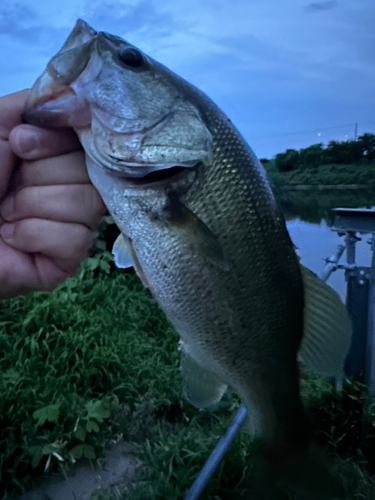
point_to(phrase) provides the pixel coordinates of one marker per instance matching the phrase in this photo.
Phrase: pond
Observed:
(309, 215)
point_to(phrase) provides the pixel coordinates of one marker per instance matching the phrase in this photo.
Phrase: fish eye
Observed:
(131, 58)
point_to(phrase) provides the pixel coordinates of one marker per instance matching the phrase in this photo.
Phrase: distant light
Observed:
(319, 134)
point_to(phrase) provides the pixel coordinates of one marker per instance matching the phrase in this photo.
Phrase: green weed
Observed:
(70, 358)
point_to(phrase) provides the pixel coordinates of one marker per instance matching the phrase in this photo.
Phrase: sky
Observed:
(288, 73)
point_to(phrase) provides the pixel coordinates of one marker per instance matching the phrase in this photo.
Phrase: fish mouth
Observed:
(139, 170)
(52, 105)
(152, 176)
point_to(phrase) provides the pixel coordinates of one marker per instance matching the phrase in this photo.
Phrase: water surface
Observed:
(309, 214)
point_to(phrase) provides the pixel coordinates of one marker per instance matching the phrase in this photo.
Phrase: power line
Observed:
(287, 134)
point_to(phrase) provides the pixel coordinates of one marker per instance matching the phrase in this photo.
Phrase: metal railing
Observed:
(360, 297)
(214, 459)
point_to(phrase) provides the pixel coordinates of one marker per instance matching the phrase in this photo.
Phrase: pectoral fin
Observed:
(202, 239)
(121, 253)
(124, 256)
(200, 386)
(327, 329)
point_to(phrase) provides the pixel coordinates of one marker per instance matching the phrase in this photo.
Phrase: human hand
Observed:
(48, 207)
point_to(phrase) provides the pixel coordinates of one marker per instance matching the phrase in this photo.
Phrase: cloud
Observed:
(317, 6)
(28, 28)
(16, 14)
(270, 66)
(16, 20)
(138, 18)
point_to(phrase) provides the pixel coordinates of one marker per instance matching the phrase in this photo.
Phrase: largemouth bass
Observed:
(201, 226)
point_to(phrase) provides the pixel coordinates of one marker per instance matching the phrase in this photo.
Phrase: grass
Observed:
(97, 359)
(69, 358)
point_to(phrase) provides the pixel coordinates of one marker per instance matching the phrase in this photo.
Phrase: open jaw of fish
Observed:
(202, 228)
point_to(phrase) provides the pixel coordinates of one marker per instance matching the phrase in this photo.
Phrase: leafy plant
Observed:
(98, 334)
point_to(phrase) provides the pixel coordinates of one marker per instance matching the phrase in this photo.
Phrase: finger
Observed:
(11, 109)
(66, 203)
(65, 169)
(58, 240)
(52, 272)
(7, 164)
(31, 143)
(22, 273)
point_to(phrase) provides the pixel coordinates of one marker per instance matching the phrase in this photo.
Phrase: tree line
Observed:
(335, 152)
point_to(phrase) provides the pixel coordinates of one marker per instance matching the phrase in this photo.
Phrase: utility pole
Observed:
(355, 131)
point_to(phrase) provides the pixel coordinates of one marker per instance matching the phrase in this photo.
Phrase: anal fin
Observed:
(200, 386)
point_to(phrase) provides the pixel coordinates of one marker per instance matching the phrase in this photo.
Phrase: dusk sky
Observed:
(288, 73)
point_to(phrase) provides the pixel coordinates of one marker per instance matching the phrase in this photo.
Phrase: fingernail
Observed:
(7, 231)
(26, 141)
(7, 207)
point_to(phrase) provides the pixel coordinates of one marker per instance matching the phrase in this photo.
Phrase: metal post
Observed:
(332, 263)
(350, 240)
(360, 362)
(370, 351)
(357, 300)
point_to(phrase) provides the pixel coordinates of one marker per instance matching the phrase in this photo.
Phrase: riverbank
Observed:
(332, 176)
